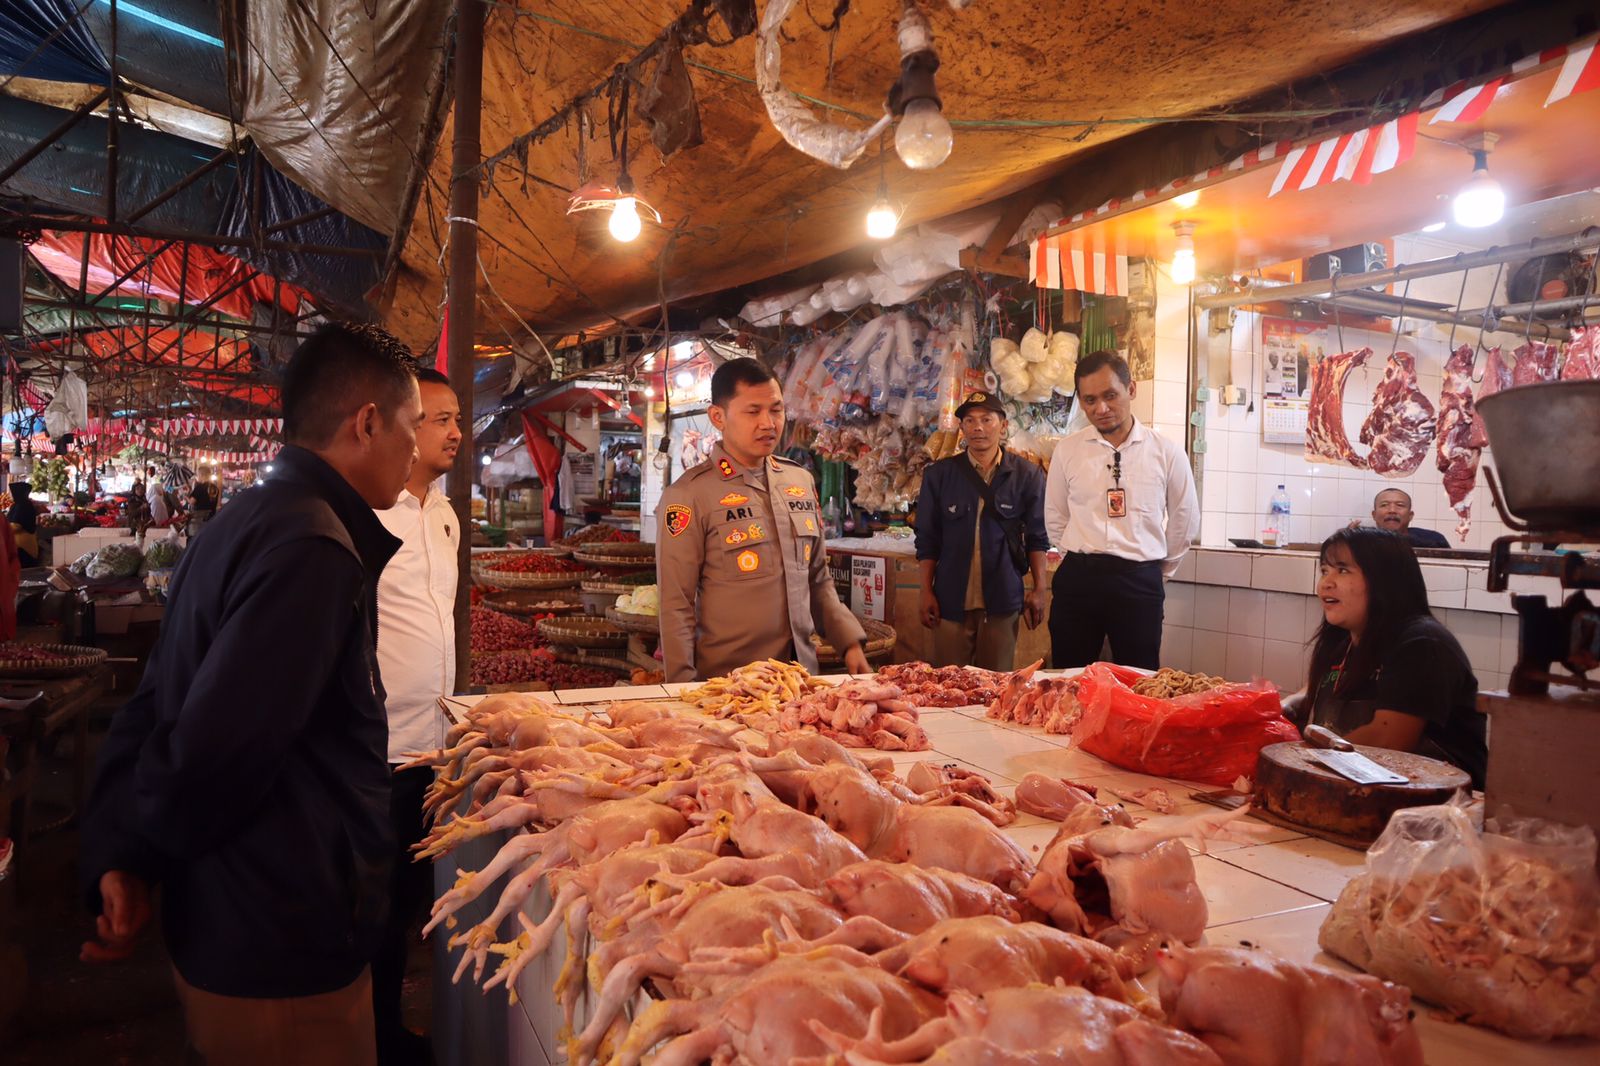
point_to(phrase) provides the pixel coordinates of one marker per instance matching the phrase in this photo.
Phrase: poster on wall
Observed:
(584, 473)
(1291, 348)
(869, 585)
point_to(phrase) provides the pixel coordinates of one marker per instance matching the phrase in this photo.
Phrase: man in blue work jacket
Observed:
(980, 527)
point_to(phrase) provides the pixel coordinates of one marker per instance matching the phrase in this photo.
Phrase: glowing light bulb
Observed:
(269, 468)
(882, 221)
(625, 223)
(1183, 256)
(1188, 199)
(684, 380)
(649, 392)
(1481, 201)
(923, 138)
(487, 459)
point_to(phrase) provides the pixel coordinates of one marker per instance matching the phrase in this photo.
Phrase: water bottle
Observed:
(1275, 530)
(831, 519)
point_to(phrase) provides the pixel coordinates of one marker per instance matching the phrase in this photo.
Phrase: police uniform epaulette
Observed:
(697, 470)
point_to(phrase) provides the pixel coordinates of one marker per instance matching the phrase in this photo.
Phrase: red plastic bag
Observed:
(1211, 737)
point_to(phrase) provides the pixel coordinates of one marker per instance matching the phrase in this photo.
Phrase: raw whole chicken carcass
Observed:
(1326, 439)
(1254, 1009)
(952, 838)
(1051, 797)
(1058, 1025)
(912, 898)
(1455, 454)
(765, 1019)
(1402, 420)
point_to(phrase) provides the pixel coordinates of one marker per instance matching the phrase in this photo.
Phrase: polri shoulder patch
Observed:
(677, 519)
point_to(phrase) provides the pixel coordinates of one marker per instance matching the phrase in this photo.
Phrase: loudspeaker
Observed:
(11, 257)
(1357, 259)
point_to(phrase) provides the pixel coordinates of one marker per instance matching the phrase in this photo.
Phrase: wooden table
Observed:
(65, 705)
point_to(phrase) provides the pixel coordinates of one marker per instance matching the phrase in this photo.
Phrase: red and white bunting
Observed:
(1063, 263)
(1466, 103)
(1580, 70)
(1349, 157)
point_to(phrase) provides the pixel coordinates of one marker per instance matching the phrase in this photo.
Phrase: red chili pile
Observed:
(535, 563)
(493, 631)
(599, 534)
(525, 667)
(31, 653)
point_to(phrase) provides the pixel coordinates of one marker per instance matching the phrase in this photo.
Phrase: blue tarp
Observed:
(74, 55)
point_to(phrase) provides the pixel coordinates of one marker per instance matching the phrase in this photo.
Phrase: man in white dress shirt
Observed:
(417, 659)
(1120, 503)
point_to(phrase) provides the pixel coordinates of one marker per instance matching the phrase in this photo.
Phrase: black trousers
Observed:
(410, 885)
(1096, 597)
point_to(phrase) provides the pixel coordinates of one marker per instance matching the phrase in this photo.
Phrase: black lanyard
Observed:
(1115, 466)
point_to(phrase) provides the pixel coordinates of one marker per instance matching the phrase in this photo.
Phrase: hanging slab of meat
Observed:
(1454, 454)
(1536, 362)
(1402, 420)
(1583, 356)
(1496, 376)
(1325, 435)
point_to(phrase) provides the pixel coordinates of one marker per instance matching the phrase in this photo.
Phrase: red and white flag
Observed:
(1071, 261)
(1349, 157)
(1465, 103)
(1580, 71)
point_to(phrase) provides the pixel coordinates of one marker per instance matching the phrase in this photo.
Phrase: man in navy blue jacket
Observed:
(248, 775)
(972, 556)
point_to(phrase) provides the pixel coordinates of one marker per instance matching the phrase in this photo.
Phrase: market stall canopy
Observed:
(1025, 91)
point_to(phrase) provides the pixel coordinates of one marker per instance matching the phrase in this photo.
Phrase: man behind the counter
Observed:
(1120, 502)
(980, 527)
(1391, 510)
(740, 558)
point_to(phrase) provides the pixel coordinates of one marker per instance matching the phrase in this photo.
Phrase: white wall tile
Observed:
(1180, 604)
(1243, 526)
(1171, 402)
(1211, 608)
(1144, 405)
(1243, 660)
(1210, 653)
(1285, 618)
(1214, 528)
(1313, 619)
(1443, 577)
(1223, 568)
(1177, 647)
(1247, 612)
(1510, 636)
(1440, 600)
(1325, 498)
(1284, 663)
(1185, 571)
(1354, 500)
(1216, 454)
(1241, 493)
(1284, 573)
(1481, 599)
(1479, 635)
(1300, 531)
(1214, 493)
(1269, 460)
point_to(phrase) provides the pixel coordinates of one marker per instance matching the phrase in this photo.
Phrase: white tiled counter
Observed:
(1250, 612)
(1272, 893)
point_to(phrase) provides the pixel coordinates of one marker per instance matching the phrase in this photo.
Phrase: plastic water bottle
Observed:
(1275, 530)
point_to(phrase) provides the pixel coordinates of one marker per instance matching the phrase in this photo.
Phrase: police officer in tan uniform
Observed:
(739, 546)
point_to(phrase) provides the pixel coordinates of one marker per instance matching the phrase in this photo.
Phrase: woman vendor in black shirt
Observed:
(1384, 672)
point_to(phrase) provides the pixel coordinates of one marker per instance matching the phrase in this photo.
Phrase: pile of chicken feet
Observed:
(788, 900)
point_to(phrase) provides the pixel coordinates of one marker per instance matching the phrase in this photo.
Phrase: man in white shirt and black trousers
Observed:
(1120, 503)
(417, 658)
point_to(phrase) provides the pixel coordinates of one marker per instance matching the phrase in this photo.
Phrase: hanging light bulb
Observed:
(487, 458)
(625, 224)
(684, 380)
(649, 392)
(1183, 257)
(882, 220)
(1188, 199)
(1481, 201)
(923, 137)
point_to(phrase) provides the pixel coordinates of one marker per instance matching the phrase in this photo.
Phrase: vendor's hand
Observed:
(125, 903)
(930, 609)
(1034, 608)
(1355, 523)
(855, 661)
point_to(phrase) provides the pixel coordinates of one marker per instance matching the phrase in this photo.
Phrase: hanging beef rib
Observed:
(1496, 376)
(1401, 423)
(1583, 355)
(1325, 435)
(1455, 455)
(1536, 362)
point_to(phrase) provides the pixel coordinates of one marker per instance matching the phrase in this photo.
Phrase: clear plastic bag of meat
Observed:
(1212, 737)
(1501, 928)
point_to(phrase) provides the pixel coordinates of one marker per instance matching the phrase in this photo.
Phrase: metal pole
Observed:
(463, 295)
(111, 124)
(1589, 238)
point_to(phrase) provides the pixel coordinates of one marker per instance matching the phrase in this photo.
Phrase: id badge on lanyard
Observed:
(1116, 498)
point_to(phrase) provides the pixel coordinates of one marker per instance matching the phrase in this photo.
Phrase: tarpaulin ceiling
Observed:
(1027, 86)
(135, 348)
(193, 276)
(172, 48)
(337, 94)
